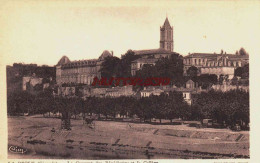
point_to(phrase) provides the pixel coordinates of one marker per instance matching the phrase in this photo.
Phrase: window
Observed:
(169, 35)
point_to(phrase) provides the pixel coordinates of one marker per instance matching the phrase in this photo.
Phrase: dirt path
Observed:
(124, 140)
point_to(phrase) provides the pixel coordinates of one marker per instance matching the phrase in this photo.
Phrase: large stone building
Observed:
(82, 71)
(219, 64)
(150, 56)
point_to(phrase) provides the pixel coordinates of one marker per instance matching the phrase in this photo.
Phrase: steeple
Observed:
(166, 32)
(166, 23)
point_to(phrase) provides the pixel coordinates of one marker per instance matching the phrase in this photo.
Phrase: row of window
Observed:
(203, 61)
(79, 70)
(196, 61)
(216, 71)
(79, 79)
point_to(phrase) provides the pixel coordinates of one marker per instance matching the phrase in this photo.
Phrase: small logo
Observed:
(16, 149)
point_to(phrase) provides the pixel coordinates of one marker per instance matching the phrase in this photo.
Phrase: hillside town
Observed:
(205, 90)
(78, 75)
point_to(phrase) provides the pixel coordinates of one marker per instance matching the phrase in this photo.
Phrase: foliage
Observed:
(229, 107)
(242, 51)
(110, 67)
(242, 72)
(115, 67)
(207, 80)
(125, 63)
(192, 72)
(165, 67)
(164, 106)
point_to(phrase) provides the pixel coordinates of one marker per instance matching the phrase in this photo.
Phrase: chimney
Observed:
(112, 53)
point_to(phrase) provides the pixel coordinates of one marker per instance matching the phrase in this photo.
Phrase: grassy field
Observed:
(122, 140)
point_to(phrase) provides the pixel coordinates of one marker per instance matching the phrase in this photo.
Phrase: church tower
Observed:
(166, 36)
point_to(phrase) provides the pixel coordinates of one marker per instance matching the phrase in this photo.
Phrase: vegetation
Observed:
(16, 73)
(224, 107)
(242, 52)
(115, 67)
(171, 68)
(165, 67)
(243, 72)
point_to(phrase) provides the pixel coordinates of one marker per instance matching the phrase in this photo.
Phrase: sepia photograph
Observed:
(119, 80)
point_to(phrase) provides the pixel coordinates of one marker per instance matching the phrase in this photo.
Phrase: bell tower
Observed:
(166, 36)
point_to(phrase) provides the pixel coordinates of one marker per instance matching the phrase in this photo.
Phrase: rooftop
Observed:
(146, 60)
(65, 62)
(213, 55)
(152, 51)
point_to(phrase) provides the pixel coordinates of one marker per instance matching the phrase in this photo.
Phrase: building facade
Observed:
(219, 64)
(82, 71)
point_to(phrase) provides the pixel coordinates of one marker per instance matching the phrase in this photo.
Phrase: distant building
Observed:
(31, 81)
(219, 64)
(21, 76)
(98, 92)
(88, 91)
(226, 86)
(139, 63)
(66, 91)
(152, 91)
(190, 84)
(120, 91)
(187, 91)
(82, 71)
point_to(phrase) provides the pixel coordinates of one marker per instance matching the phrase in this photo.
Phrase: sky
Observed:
(42, 32)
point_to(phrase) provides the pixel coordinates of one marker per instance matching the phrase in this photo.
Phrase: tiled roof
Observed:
(85, 62)
(152, 51)
(105, 54)
(146, 60)
(63, 60)
(214, 55)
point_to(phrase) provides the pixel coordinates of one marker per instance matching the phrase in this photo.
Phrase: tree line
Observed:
(223, 107)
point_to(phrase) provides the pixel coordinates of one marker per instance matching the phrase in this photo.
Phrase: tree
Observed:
(242, 72)
(20, 102)
(125, 63)
(242, 51)
(231, 106)
(192, 72)
(110, 67)
(165, 67)
(207, 80)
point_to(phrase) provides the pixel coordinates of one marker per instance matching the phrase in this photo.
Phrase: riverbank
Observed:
(120, 140)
